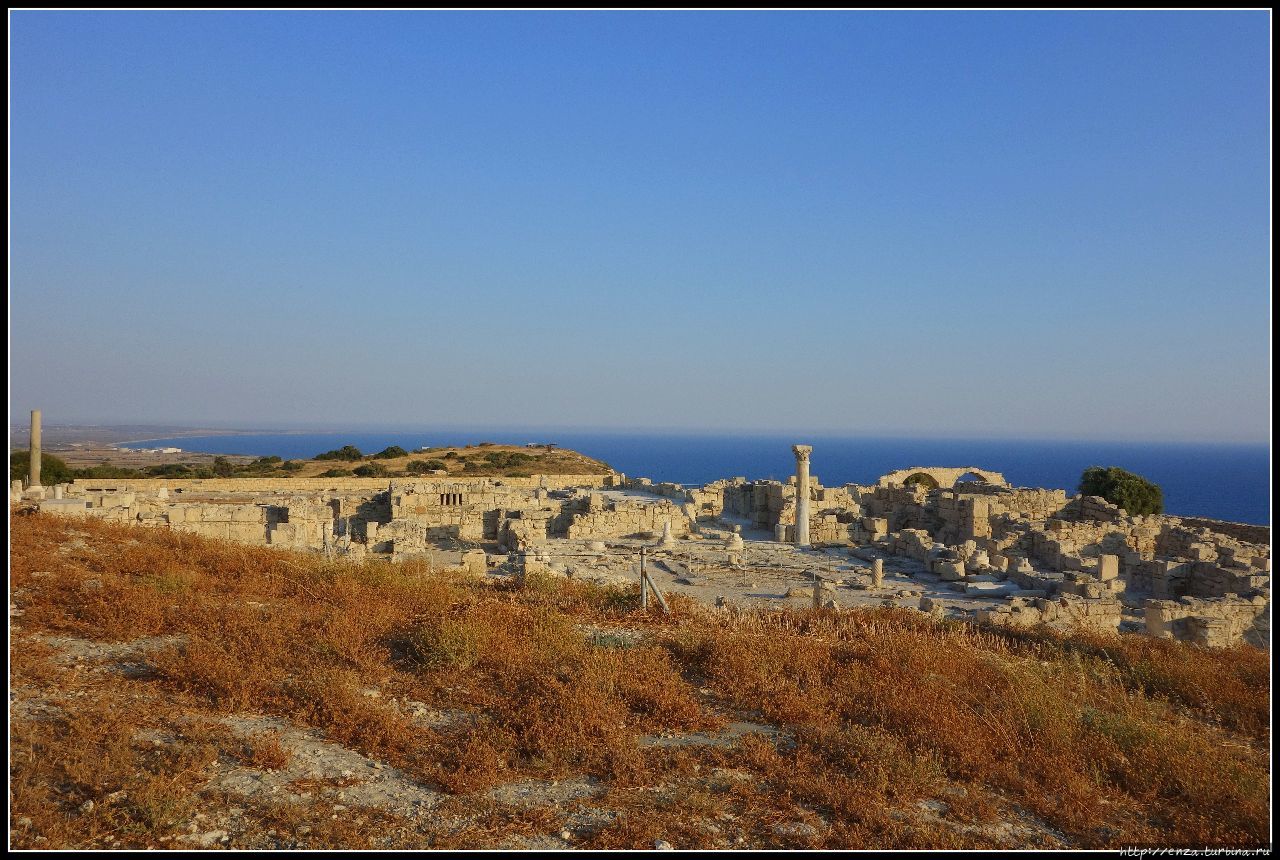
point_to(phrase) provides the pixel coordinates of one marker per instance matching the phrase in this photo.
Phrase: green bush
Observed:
(259, 467)
(346, 452)
(223, 468)
(53, 470)
(508, 459)
(391, 452)
(1132, 492)
(106, 470)
(169, 470)
(371, 470)
(292, 465)
(422, 467)
(336, 473)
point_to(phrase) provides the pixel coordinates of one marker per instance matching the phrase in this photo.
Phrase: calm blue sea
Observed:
(1229, 482)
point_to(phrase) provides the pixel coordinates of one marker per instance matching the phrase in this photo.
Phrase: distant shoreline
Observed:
(203, 433)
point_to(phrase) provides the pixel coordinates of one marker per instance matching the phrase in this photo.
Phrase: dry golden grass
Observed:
(1103, 740)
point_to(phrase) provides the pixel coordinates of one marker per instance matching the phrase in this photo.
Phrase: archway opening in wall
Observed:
(971, 478)
(923, 479)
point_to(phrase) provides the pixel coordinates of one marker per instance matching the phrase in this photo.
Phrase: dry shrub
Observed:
(1223, 684)
(266, 751)
(482, 757)
(444, 644)
(958, 702)
(84, 781)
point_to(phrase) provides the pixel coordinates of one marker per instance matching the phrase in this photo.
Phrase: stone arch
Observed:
(942, 476)
(923, 478)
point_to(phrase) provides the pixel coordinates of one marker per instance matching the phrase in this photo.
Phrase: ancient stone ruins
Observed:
(975, 548)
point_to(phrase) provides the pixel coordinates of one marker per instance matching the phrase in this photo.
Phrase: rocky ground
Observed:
(308, 782)
(764, 574)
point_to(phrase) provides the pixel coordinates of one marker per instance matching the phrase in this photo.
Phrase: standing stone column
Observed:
(667, 539)
(802, 453)
(35, 449)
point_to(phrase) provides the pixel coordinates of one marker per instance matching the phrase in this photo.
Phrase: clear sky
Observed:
(954, 224)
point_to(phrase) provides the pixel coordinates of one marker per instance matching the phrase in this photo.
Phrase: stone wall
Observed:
(630, 520)
(1211, 623)
(1064, 612)
(1091, 509)
(1032, 503)
(902, 507)
(1241, 532)
(760, 502)
(1179, 540)
(243, 523)
(315, 485)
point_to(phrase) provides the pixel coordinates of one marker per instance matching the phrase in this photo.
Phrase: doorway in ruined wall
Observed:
(924, 479)
(971, 478)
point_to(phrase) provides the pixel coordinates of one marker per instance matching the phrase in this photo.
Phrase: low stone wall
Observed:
(630, 520)
(1092, 509)
(318, 485)
(1211, 623)
(1242, 532)
(1030, 502)
(913, 543)
(242, 523)
(1063, 612)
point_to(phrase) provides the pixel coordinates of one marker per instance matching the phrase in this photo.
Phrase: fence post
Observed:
(662, 601)
(644, 581)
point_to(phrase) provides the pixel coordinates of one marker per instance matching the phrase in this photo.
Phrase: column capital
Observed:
(802, 452)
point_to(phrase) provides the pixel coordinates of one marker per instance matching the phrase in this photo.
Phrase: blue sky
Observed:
(953, 224)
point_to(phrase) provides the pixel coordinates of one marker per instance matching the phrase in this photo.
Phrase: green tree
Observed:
(391, 452)
(53, 470)
(223, 468)
(1134, 493)
(371, 470)
(346, 452)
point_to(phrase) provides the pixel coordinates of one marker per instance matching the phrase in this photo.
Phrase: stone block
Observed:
(991, 589)
(65, 507)
(475, 562)
(948, 571)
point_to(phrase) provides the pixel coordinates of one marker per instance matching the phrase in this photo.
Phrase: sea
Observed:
(1225, 482)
